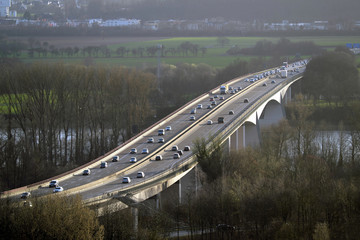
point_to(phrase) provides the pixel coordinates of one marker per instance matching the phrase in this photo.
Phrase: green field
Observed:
(215, 55)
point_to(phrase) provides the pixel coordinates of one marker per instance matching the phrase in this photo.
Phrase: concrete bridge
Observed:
(257, 104)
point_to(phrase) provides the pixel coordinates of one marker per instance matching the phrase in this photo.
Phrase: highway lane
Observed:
(178, 124)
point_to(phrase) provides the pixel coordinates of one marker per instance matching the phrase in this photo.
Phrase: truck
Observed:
(224, 89)
(283, 74)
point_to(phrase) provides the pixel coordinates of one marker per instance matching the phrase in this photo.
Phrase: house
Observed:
(5, 8)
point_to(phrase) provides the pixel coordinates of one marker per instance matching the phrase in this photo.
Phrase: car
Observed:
(264, 84)
(187, 148)
(232, 92)
(192, 118)
(176, 156)
(246, 80)
(209, 107)
(239, 88)
(230, 88)
(209, 122)
(193, 111)
(145, 151)
(133, 159)
(246, 100)
(161, 140)
(231, 112)
(199, 106)
(86, 172)
(115, 158)
(103, 165)
(168, 128)
(213, 103)
(58, 189)
(211, 99)
(252, 80)
(215, 96)
(140, 175)
(133, 151)
(161, 132)
(53, 183)
(25, 195)
(126, 180)
(174, 148)
(220, 119)
(158, 158)
(180, 152)
(273, 81)
(150, 140)
(221, 98)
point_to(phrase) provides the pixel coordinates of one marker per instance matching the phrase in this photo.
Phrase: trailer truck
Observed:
(283, 73)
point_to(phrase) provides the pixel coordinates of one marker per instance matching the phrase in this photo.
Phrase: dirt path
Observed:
(61, 42)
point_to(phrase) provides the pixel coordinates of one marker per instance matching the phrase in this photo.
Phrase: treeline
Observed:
(282, 47)
(56, 116)
(34, 48)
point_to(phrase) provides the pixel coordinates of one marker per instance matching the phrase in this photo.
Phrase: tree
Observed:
(222, 41)
(333, 76)
(51, 217)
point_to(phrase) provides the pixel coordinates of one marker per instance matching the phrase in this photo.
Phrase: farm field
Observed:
(215, 54)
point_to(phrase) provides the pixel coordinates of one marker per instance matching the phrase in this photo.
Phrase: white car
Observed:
(161, 140)
(199, 106)
(193, 111)
(209, 122)
(176, 156)
(168, 128)
(133, 160)
(126, 180)
(86, 172)
(150, 140)
(58, 189)
(145, 151)
(187, 148)
(174, 148)
(140, 175)
(133, 151)
(192, 118)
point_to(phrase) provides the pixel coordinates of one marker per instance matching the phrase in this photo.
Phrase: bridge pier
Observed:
(135, 215)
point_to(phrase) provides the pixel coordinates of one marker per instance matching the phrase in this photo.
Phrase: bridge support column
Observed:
(234, 141)
(157, 200)
(251, 135)
(179, 185)
(135, 215)
(288, 95)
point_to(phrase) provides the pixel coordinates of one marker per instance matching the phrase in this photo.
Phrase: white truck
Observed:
(283, 73)
(224, 89)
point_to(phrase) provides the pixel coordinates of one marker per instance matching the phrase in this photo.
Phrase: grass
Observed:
(215, 56)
